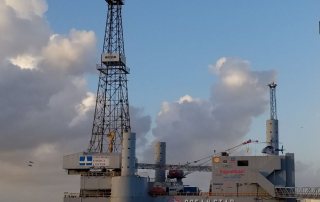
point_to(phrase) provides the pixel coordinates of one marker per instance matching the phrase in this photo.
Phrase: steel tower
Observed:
(111, 116)
(273, 101)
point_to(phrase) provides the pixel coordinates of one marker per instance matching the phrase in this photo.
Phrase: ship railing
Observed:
(188, 193)
(233, 194)
(104, 68)
(71, 195)
(78, 195)
(176, 194)
(158, 194)
(110, 174)
(298, 192)
(251, 194)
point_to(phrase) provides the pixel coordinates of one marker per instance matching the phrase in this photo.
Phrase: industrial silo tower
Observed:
(272, 129)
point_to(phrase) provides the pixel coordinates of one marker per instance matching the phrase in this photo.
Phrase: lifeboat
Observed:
(156, 191)
(174, 173)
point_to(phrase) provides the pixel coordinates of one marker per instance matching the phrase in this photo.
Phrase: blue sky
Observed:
(170, 44)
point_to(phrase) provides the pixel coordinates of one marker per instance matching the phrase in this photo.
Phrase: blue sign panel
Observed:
(85, 160)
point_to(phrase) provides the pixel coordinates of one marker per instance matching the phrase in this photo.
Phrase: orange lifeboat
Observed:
(157, 191)
(175, 173)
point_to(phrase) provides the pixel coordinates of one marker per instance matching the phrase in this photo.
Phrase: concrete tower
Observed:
(272, 131)
(160, 161)
(128, 158)
(128, 187)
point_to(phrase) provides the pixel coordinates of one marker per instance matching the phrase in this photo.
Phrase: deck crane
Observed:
(176, 173)
(188, 167)
(240, 145)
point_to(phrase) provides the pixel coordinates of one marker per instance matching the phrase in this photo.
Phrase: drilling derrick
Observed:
(105, 157)
(111, 117)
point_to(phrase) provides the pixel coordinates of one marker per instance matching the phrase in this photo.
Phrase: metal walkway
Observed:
(298, 192)
(190, 168)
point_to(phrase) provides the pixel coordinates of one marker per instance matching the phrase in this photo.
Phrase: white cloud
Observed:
(194, 127)
(186, 98)
(83, 108)
(217, 67)
(25, 61)
(22, 36)
(140, 124)
(307, 174)
(66, 52)
(43, 80)
(234, 79)
(28, 9)
(44, 151)
(47, 109)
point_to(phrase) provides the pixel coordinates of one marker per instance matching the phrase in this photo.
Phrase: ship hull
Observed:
(210, 199)
(183, 199)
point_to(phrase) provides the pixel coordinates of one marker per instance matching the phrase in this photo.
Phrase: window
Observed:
(243, 163)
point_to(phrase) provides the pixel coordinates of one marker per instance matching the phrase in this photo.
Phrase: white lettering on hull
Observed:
(209, 200)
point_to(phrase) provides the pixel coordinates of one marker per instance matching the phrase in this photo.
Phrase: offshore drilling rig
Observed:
(108, 168)
(110, 158)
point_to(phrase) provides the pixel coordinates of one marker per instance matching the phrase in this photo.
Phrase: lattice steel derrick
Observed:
(111, 117)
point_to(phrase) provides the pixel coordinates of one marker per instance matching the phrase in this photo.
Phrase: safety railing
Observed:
(208, 194)
(103, 68)
(86, 195)
(71, 195)
(298, 192)
(110, 174)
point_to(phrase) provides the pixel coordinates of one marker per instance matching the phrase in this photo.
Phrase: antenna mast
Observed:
(111, 116)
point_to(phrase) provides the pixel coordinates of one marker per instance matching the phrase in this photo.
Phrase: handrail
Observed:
(71, 195)
(281, 192)
(99, 174)
(207, 194)
(78, 195)
(298, 192)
